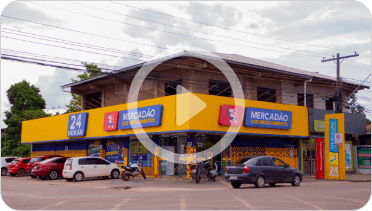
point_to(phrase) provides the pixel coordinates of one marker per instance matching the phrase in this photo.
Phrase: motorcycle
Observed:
(210, 173)
(132, 171)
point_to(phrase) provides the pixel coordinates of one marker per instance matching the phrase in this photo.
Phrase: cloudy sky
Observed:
(115, 35)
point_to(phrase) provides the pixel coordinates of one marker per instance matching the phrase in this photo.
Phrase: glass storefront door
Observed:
(308, 154)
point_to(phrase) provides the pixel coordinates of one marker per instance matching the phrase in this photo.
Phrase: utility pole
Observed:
(338, 93)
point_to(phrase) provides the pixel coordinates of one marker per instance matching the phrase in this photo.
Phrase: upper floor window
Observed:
(171, 87)
(329, 104)
(92, 101)
(265, 94)
(220, 88)
(309, 100)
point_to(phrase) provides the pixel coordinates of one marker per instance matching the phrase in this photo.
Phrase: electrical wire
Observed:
(112, 12)
(229, 28)
(75, 43)
(219, 41)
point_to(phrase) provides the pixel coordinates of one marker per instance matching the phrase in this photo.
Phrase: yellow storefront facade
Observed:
(266, 129)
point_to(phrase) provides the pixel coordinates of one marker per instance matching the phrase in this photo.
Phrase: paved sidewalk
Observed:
(306, 178)
(348, 178)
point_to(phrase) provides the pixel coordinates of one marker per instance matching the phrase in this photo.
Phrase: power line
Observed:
(92, 34)
(52, 57)
(268, 74)
(76, 43)
(118, 22)
(229, 28)
(71, 48)
(360, 63)
(277, 94)
(192, 29)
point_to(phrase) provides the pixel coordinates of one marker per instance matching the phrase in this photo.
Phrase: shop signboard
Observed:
(230, 115)
(114, 151)
(147, 116)
(319, 159)
(364, 157)
(94, 148)
(77, 124)
(110, 121)
(338, 138)
(267, 118)
(319, 125)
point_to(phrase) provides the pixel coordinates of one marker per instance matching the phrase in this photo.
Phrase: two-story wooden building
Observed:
(270, 91)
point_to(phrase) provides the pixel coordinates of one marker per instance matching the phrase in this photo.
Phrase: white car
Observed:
(4, 164)
(79, 168)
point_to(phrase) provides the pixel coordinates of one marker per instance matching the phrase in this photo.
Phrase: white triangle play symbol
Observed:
(187, 106)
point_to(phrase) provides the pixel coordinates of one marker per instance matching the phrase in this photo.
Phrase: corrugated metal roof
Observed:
(228, 58)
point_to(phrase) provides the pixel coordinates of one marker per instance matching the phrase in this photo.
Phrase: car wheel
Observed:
(296, 180)
(125, 177)
(78, 176)
(33, 176)
(53, 174)
(21, 172)
(69, 180)
(4, 172)
(260, 182)
(236, 185)
(115, 174)
(13, 175)
(272, 184)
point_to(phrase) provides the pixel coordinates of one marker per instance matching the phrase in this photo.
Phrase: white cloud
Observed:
(343, 25)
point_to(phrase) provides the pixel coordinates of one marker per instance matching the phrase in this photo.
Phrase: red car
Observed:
(19, 167)
(50, 168)
(35, 160)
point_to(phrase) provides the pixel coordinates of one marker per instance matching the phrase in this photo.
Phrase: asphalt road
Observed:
(26, 193)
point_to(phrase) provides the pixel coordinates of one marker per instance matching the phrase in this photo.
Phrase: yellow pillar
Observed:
(125, 156)
(334, 164)
(156, 162)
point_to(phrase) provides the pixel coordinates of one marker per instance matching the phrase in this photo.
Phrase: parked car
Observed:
(35, 160)
(4, 164)
(19, 167)
(79, 168)
(261, 170)
(50, 168)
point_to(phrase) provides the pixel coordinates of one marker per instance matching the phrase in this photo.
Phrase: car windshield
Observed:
(244, 160)
(14, 161)
(36, 159)
(47, 160)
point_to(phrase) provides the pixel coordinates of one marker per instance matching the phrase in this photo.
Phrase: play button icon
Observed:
(187, 106)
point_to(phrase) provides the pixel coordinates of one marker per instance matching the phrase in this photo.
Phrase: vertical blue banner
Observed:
(333, 129)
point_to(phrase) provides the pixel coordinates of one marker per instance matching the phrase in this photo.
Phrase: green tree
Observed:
(92, 71)
(27, 103)
(355, 107)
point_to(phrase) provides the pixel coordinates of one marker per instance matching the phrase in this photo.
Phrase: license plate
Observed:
(233, 177)
(193, 171)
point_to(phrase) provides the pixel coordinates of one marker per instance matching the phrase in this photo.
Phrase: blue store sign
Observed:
(147, 116)
(77, 124)
(267, 118)
(333, 129)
